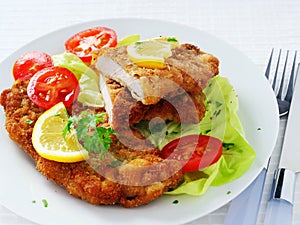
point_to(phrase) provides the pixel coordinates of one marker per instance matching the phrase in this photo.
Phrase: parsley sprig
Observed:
(95, 138)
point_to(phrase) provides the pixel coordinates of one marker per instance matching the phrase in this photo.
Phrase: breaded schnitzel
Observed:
(135, 181)
(131, 173)
(173, 93)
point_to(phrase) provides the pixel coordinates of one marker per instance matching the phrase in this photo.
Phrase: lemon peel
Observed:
(48, 141)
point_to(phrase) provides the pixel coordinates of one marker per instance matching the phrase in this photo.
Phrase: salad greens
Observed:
(221, 121)
(129, 40)
(88, 80)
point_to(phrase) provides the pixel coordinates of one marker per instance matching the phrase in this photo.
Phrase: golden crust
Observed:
(84, 179)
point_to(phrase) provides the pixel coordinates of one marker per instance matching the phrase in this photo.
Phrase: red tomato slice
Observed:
(53, 85)
(85, 42)
(194, 151)
(30, 63)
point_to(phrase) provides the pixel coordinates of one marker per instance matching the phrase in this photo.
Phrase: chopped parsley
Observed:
(29, 121)
(206, 131)
(45, 203)
(228, 192)
(95, 138)
(227, 146)
(175, 201)
(57, 114)
(33, 201)
(115, 163)
(118, 143)
(259, 128)
(216, 113)
(218, 104)
(172, 39)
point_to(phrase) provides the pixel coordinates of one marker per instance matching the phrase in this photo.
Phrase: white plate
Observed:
(21, 183)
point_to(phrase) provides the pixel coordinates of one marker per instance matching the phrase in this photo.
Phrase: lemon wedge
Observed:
(48, 140)
(151, 53)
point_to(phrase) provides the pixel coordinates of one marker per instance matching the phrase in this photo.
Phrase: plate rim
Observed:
(143, 20)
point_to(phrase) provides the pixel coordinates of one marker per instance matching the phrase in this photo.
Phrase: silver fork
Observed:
(283, 101)
(244, 208)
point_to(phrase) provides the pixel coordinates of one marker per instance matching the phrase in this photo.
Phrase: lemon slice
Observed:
(173, 41)
(48, 141)
(151, 53)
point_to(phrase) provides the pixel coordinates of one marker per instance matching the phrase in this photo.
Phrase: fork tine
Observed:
(267, 73)
(283, 76)
(289, 93)
(276, 71)
(283, 100)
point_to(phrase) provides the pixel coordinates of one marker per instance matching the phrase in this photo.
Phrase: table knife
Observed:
(280, 206)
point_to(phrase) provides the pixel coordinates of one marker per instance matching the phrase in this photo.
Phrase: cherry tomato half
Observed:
(52, 85)
(29, 63)
(85, 42)
(194, 151)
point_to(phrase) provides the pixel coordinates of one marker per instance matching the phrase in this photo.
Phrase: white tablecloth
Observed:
(254, 27)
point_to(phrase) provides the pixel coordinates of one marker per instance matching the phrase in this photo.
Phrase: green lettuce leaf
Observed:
(220, 121)
(88, 80)
(128, 40)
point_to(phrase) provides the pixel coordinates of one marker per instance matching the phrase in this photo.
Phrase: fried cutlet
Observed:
(188, 69)
(173, 93)
(139, 178)
(125, 175)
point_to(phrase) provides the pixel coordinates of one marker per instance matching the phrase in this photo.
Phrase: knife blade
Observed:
(280, 206)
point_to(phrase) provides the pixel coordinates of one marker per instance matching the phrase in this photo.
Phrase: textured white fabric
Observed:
(254, 27)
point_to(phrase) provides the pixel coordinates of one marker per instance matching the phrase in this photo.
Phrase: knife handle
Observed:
(244, 208)
(279, 212)
(280, 206)
(283, 186)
